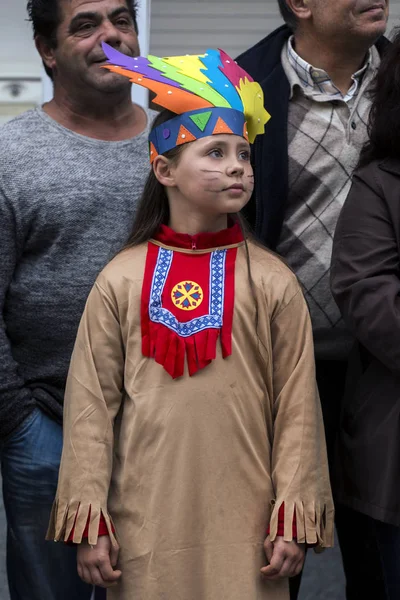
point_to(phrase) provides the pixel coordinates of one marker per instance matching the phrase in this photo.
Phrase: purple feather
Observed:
(139, 64)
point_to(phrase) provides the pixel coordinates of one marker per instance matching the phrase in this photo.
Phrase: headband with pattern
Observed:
(209, 92)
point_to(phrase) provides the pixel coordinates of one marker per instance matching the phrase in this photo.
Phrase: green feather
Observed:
(203, 90)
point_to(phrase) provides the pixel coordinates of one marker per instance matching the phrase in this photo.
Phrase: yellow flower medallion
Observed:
(187, 295)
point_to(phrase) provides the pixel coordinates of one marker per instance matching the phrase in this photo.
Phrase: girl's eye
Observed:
(216, 153)
(245, 155)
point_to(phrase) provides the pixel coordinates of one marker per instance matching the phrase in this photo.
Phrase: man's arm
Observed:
(12, 387)
(365, 269)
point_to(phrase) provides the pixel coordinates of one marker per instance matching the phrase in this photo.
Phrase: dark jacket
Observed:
(266, 209)
(365, 278)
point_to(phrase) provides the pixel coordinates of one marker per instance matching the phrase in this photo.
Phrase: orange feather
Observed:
(178, 101)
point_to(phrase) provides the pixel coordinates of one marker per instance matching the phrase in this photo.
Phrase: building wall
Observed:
(17, 50)
(177, 27)
(20, 66)
(191, 26)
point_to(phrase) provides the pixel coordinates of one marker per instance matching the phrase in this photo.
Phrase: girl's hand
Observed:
(95, 563)
(286, 559)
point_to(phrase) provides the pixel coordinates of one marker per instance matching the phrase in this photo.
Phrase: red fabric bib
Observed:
(188, 298)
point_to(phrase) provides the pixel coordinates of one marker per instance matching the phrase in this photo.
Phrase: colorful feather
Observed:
(190, 78)
(192, 63)
(138, 64)
(193, 82)
(232, 71)
(253, 108)
(218, 80)
(175, 99)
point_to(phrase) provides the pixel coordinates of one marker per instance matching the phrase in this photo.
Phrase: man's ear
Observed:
(164, 171)
(300, 8)
(46, 52)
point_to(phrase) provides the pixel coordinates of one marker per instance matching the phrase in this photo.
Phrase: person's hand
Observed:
(285, 559)
(95, 563)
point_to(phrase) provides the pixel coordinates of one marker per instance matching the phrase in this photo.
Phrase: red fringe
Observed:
(170, 350)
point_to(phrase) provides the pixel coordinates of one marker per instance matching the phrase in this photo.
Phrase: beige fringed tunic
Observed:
(192, 471)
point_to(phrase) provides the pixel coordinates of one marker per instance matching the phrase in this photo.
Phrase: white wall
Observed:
(191, 26)
(17, 51)
(20, 66)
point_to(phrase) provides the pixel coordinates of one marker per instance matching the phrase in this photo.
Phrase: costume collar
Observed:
(201, 241)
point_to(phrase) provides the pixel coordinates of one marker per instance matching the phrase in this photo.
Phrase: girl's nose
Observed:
(236, 168)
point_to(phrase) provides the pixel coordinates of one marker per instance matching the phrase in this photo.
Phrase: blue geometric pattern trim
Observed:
(164, 136)
(213, 320)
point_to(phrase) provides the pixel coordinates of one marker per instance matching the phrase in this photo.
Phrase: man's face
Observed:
(361, 19)
(78, 56)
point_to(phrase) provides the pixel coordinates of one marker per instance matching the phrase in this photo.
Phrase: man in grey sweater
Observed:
(70, 175)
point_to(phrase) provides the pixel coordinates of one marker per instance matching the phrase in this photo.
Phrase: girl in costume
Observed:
(194, 463)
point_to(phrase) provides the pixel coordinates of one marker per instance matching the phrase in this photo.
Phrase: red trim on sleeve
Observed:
(102, 528)
(281, 523)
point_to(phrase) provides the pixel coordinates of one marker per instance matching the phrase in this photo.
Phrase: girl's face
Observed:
(212, 176)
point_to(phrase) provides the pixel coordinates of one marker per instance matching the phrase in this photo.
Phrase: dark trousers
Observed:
(357, 538)
(371, 555)
(388, 544)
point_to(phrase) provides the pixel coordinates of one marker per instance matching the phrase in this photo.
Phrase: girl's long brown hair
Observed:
(153, 208)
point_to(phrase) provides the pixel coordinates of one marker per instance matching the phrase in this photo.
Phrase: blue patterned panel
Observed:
(161, 315)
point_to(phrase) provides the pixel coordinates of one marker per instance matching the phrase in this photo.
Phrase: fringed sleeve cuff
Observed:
(314, 522)
(74, 516)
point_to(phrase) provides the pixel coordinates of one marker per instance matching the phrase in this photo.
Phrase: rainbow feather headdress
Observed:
(209, 92)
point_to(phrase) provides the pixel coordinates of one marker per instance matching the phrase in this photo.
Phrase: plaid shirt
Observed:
(317, 81)
(326, 131)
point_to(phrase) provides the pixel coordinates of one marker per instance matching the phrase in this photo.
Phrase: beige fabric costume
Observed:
(193, 470)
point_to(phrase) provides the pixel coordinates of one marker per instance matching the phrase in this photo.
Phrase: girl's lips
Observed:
(236, 186)
(235, 190)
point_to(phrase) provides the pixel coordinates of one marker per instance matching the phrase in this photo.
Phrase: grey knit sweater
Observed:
(66, 207)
